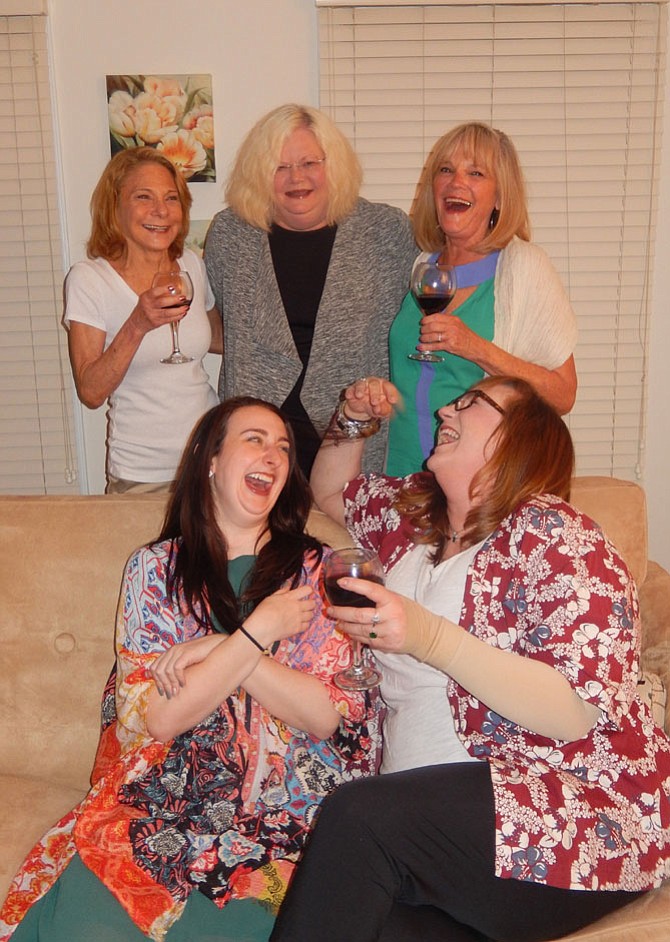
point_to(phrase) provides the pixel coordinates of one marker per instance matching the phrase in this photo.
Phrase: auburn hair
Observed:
(106, 239)
(534, 454)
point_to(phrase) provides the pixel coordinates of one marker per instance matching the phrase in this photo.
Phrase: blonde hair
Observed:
(496, 153)
(106, 239)
(250, 187)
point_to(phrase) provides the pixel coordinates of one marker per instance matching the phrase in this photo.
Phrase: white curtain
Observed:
(37, 451)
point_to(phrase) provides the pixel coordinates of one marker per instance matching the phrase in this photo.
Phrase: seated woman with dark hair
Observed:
(223, 728)
(527, 789)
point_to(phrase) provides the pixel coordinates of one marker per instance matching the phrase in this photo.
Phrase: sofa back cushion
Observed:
(621, 510)
(62, 559)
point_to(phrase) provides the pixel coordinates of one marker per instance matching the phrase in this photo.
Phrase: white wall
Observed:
(260, 53)
(657, 459)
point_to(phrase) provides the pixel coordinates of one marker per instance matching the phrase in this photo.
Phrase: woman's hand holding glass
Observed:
(448, 333)
(433, 285)
(361, 565)
(388, 632)
(176, 296)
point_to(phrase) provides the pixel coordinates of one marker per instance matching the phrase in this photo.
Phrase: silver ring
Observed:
(439, 338)
(375, 618)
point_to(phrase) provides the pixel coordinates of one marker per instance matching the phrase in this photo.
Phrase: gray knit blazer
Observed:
(367, 279)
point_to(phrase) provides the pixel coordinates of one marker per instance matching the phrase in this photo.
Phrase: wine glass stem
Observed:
(174, 325)
(357, 665)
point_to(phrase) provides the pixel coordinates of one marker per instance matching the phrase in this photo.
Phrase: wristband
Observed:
(252, 639)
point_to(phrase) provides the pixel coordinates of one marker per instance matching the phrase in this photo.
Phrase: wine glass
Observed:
(180, 285)
(433, 286)
(361, 564)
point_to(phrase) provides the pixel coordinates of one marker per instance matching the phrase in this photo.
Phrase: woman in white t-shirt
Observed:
(118, 325)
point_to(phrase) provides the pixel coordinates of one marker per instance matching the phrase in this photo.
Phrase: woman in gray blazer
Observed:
(307, 275)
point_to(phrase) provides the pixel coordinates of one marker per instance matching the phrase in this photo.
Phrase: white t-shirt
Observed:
(419, 727)
(153, 410)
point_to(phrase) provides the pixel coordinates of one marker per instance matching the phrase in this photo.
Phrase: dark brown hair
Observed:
(198, 564)
(533, 455)
(106, 239)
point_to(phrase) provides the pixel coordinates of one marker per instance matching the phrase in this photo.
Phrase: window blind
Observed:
(37, 453)
(577, 87)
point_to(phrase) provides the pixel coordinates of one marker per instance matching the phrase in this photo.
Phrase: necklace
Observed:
(454, 536)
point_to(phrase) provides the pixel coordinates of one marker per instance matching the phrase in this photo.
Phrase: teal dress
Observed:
(426, 387)
(80, 908)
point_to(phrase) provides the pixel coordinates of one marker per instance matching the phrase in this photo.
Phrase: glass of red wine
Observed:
(433, 286)
(360, 564)
(180, 285)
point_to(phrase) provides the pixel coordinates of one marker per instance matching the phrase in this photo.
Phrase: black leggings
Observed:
(409, 856)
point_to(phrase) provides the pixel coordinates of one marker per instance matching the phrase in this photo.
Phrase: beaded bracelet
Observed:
(252, 639)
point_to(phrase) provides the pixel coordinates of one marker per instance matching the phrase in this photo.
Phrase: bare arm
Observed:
(98, 372)
(449, 333)
(339, 459)
(197, 676)
(216, 324)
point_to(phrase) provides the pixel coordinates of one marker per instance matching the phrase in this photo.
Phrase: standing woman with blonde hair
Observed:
(306, 274)
(510, 314)
(119, 325)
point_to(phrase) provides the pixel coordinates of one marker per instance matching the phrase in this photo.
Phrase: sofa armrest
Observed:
(654, 595)
(655, 615)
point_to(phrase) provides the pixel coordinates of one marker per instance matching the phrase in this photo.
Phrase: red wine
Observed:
(432, 303)
(339, 596)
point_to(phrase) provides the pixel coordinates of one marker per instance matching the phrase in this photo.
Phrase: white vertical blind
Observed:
(577, 87)
(36, 451)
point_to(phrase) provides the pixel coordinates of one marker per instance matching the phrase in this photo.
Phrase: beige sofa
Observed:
(61, 562)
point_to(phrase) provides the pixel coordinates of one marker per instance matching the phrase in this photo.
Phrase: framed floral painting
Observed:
(172, 113)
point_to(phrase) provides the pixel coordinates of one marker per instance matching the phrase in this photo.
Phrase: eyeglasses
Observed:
(308, 166)
(466, 400)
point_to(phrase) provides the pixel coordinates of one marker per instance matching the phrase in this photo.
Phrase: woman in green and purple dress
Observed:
(510, 314)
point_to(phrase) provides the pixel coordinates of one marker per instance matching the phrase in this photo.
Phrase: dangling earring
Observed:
(495, 216)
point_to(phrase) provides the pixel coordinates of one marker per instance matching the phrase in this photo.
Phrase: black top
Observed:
(301, 261)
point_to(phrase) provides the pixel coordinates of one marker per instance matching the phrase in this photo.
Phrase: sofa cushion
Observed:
(646, 919)
(620, 508)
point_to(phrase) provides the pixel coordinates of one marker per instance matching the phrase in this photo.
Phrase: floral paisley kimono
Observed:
(223, 808)
(593, 814)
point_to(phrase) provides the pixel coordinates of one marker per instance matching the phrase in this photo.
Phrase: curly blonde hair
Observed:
(250, 187)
